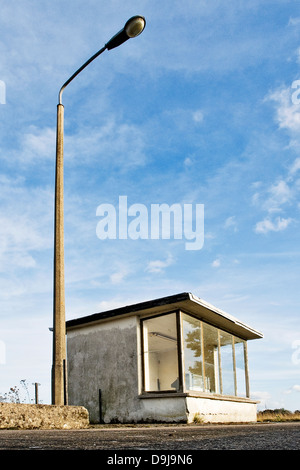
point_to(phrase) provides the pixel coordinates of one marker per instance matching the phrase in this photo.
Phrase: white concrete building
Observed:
(173, 359)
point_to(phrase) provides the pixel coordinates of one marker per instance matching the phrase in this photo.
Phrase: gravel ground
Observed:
(259, 436)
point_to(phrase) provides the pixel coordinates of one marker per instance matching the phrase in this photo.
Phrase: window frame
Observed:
(179, 354)
(180, 358)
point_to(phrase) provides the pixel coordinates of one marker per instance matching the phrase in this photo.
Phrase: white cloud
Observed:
(267, 225)
(158, 266)
(118, 276)
(216, 263)
(280, 193)
(295, 166)
(287, 113)
(279, 196)
(39, 143)
(294, 388)
(230, 222)
(188, 162)
(198, 116)
(261, 396)
(294, 21)
(19, 236)
(25, 225)
(275, 196)
(115, 143)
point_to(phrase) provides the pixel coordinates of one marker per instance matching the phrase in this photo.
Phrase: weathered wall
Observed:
(220, 411)
(25, 416)
(105, 356)
(164, 409)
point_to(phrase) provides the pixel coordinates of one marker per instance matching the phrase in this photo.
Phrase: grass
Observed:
(278, 415)
(198, 419)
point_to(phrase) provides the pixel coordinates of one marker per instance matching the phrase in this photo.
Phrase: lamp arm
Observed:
(78, 71)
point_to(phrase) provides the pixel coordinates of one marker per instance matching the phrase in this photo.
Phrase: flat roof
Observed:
(186, 302)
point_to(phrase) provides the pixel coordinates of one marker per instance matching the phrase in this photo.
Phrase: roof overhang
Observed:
(186, 302)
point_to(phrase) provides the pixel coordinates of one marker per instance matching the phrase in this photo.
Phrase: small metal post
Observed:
(100, 406)
(36, 392)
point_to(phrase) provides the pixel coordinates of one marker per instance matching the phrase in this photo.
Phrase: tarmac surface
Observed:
(135, 438)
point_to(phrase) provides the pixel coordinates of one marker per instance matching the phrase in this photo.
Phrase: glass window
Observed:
(160, 353)
(201, 360)
(227, 365)
(192, 349)
(211, 358)
(239, 346)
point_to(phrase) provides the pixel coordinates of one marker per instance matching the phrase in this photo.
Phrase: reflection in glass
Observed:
(239, 346)
(211, 358)
(227, 366)
(192, 346)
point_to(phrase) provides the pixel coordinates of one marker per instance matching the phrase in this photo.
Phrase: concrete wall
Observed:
(164, 409)
(105, 356)
(220, 411)
(25, 416)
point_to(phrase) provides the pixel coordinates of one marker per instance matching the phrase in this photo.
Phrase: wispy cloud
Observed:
(118, 276)
(116, 143)
(38, 144)
(231, 223)
(268, 225)
(158, 266)
(216, 263)
(281, 196)
(287, 113)
(295, 167)
(294, 21)
(294, 388)
(198, 116)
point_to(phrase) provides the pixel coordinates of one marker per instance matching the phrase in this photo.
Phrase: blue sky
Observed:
(200, 109)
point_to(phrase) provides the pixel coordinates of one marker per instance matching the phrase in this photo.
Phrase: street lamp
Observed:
(133, 27)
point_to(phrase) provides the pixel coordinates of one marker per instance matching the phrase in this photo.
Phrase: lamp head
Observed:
(133, 27)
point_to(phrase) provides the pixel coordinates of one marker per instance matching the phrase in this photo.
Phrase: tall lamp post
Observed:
(133, 27)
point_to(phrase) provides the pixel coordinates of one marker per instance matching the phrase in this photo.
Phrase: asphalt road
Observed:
(258, 436)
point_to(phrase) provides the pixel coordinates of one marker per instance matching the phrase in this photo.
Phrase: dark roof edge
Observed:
(129, 309)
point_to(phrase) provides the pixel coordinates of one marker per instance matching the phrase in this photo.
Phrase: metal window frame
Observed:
(180, 357)
(179, 352)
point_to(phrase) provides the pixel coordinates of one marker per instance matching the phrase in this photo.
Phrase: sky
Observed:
(201, 110)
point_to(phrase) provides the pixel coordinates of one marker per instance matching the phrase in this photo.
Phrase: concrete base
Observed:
(23, 416)
(220, 411)
(197, 409)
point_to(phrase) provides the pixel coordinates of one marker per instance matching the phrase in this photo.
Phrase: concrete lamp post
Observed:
(133, 27)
